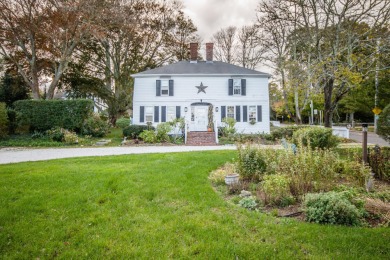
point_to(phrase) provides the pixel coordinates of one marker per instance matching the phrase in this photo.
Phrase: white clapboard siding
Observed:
(186, 93)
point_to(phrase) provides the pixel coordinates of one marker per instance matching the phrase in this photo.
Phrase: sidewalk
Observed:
(15, 155)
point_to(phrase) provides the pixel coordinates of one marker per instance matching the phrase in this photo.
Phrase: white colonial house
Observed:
(194, 89)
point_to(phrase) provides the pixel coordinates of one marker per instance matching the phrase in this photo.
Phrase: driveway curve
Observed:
(15, 155)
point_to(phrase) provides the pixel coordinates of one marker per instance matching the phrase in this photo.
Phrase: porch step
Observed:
(201, 138)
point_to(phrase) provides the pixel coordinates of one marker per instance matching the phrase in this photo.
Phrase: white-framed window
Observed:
(149, 114)
(171, 113)
(164, 87)
(236, 86)
(252, 114)
(230, 111)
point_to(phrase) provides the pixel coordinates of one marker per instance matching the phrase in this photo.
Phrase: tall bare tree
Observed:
(39, 37)
(250, 52)
(225, 41)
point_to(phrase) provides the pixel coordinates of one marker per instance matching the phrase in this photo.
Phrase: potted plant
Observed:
(232, 177)
(252, 121)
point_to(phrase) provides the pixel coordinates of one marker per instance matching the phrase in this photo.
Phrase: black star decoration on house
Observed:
(201, 88)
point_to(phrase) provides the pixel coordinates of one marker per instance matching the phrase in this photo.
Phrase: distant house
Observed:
(194, 89)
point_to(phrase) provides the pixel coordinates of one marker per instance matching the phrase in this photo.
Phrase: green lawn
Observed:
(153, 206)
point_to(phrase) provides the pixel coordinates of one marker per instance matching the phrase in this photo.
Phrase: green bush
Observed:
(384, 124)
(133, 131)
(162, 132)
(284, 132)
(379, 161)
(315, 136)
(277, 189)
(250, 164)
(248, 203)
(228, 128)
(123, 122)
(149, 136)
(331, 208)
(3, 121)
(95, 126)
(56, 134)
(42, 115)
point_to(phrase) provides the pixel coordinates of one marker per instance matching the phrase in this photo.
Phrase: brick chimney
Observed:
(193, 52)
(209, 52)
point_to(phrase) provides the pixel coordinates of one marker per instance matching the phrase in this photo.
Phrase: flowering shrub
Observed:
(149, 136)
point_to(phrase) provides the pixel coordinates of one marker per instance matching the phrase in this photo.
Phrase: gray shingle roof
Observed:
(201, 68)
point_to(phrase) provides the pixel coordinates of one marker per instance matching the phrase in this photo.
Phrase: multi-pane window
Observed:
(230, 111)
(252, 113)
(236, 86)
(148, 114)
(171, 113)
(164, 87)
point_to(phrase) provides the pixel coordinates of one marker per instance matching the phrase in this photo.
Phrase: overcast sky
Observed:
(211, 15)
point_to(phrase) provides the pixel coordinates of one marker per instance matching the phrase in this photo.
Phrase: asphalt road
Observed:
(372, 138)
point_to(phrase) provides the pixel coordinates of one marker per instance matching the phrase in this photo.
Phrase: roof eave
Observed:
(263, 75)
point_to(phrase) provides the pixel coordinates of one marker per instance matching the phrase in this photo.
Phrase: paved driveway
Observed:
(372, 138)
(14, 155)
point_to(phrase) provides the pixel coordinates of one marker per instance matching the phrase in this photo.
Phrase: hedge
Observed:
(42, 115)
(384, 124)
(3, 120)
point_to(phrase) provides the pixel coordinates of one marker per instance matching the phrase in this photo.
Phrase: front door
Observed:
(199, 118)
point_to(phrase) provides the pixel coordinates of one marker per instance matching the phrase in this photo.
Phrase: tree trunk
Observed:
(328, 108)
(298, 119)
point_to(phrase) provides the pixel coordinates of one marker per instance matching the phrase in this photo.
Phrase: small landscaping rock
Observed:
(245, 193)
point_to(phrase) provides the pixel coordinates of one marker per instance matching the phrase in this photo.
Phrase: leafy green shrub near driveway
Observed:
(149, 136)
(284, 132)
(123, 122)
(384, 123)
(331, 208)
(133, 131)
(3, 121)
(43, 115)
(162, 131)
(379, 161)
(316, 137)
(95, 126)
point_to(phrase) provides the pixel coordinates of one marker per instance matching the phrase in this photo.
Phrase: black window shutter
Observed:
(156, 114)
(238, 113)
(243, 87)
(141, 114)
(230, 87)
(170, 87)
(259, 116)
(178, 112)
(244, 114)
(158, 87)
(163, 114)
(223, 112)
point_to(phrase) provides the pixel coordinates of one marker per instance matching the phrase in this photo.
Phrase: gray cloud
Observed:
(211, 15)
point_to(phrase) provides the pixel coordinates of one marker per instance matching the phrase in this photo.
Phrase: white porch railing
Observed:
(216, 131)
(185, 132)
